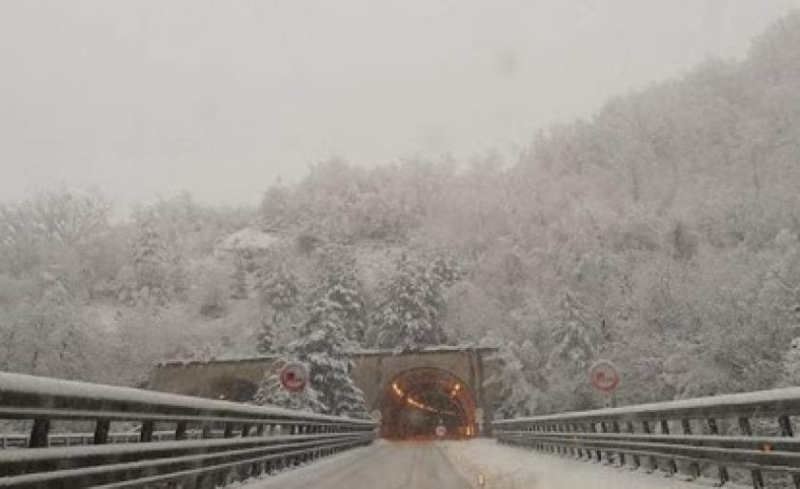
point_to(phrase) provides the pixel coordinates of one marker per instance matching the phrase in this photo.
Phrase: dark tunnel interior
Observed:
(427, 403)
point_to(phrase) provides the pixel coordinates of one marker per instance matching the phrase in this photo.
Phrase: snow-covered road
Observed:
(451, 465)
(385, 465)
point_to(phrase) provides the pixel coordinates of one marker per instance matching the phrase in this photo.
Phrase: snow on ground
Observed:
(310, 470)
(458, 465)
(507, 467)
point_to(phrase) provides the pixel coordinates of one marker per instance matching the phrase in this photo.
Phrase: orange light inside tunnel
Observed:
(397, 390)
(438, 398)
(419, 405)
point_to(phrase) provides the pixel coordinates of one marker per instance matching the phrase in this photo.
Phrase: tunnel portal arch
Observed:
(418, 401)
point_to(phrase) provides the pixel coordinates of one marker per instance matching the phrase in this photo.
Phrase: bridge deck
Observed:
(458, 465)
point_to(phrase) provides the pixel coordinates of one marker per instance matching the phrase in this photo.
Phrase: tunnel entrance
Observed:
(427, 403)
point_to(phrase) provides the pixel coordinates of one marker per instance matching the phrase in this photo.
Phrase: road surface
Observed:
(385, 465)
(460, 465)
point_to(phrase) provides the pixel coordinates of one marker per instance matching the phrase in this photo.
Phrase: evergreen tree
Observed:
(240, 288)
(266, 337)
(275, 207)
(278, 289)
(156, 278)
(341, 287)
(410, 316)
(280, 294)
(518, 393)
(574, 338)
(324, 347)
(345, 296)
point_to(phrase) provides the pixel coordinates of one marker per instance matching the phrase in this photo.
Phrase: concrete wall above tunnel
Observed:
(373, 372)
(230, 379)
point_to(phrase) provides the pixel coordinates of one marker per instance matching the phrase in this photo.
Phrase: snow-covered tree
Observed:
(266, 342)
(324, 347)
(53, 336)
(271, 392)
(212, 284)
(519, 395)
(575, 338)
(790, 368)
(411, 314)
(279, 294)
(278, 288)
(158, 276)
(240, 287)
(339, 285)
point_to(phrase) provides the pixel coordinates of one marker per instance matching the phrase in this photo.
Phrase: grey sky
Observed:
(142, 97)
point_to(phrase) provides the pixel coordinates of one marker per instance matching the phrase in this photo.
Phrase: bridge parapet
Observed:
(750, 432)
(203, 441)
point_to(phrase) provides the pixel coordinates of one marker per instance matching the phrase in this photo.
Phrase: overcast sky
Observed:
(148, 97)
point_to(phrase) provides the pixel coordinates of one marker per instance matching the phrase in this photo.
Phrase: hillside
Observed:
(663, 234)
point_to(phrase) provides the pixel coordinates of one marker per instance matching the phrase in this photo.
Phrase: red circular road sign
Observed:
(604, 376)
(441, 431)
(294, 377)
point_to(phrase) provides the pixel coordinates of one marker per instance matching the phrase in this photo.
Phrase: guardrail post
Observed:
(693, 468)
(610, 456)
(636, 461)
(577, 428)
(755, 474)
(615, 429)
(557, 446)
(40, 434)
(647, 431)
(713, 428)
(598, 453)
(147, 432)
(570, 446)
(180, 431)
(785, 425)
(672, 466)
(101, 429)
(228, 431)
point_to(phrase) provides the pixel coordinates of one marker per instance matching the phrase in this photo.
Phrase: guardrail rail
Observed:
(751, 433)
(175, 440)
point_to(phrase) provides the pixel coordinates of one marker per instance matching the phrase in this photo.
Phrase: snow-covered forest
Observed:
(662, 234)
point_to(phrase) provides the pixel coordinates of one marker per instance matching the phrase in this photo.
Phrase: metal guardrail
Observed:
(752, 431)
(20, 440)
(208, 442)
